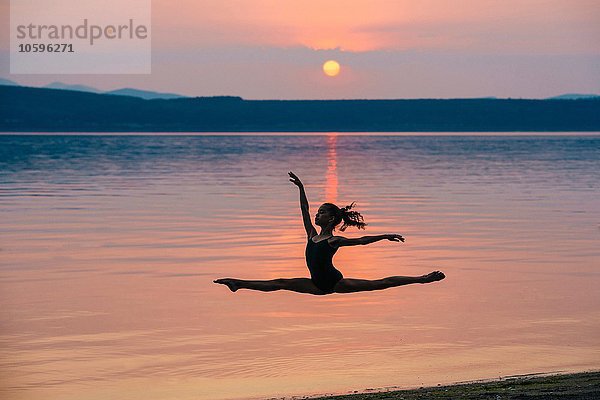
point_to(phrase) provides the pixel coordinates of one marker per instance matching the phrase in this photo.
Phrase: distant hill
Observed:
(65, 86)
(8, 82)
(144, 94)
(574, 96)
(25, 109)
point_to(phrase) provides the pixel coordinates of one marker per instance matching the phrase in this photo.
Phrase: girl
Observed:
(324, 277)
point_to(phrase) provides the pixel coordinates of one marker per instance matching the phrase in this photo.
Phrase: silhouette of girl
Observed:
(324, 277)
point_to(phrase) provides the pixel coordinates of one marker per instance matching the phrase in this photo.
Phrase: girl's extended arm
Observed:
(342, 241)
(310, 229)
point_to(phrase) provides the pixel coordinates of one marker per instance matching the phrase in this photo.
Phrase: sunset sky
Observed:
(269, 49)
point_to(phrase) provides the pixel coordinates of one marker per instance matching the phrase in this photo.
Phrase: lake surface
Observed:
(109, 245)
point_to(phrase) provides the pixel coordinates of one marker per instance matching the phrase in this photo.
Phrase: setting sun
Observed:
(331, 68)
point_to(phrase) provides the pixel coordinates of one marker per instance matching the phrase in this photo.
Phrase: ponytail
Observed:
(345, 215)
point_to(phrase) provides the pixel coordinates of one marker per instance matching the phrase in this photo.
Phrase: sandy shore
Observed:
(580, 386)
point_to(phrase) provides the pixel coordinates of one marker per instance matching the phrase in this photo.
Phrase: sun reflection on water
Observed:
(331, 186)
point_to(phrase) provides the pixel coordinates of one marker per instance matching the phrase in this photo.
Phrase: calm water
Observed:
(109, 245)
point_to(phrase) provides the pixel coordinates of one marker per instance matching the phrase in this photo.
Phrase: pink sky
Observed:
(387, 49)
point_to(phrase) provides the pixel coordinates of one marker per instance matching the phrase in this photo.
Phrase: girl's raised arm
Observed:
(310, 229)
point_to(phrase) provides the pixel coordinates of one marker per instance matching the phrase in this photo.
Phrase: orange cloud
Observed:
(549, 25)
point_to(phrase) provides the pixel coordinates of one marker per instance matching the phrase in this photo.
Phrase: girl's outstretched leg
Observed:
(351, 285)
(300, 285)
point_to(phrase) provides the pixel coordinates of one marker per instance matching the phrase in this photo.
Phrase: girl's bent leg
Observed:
(351, 285)
(300, 285)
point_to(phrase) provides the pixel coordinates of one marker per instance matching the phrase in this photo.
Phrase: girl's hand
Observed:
(394, 238)
(295, 180)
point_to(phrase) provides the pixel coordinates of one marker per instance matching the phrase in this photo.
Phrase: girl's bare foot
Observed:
(433, 277)
(231, 283)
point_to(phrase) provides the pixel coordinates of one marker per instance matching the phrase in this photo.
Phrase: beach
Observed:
(581, 386)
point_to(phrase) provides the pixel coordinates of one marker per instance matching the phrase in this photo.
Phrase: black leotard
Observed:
(319, 259)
